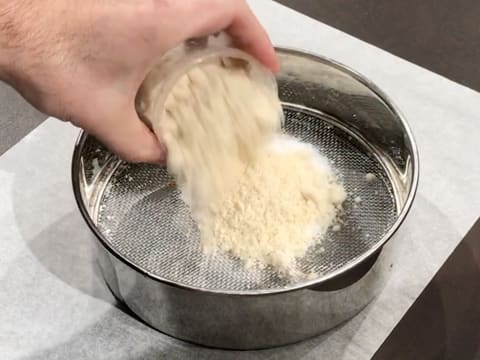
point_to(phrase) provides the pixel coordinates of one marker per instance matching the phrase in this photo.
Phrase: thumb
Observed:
(127, 136)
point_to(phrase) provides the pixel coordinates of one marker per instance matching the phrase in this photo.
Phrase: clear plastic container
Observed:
(179, 61)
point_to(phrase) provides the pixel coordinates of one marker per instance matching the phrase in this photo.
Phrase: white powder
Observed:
(370, 177)
(336, 228)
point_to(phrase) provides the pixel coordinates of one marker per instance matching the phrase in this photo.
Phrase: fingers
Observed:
(206, 17)
(250, 36)
(127, 136)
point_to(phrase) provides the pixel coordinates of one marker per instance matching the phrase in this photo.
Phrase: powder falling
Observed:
(260, 196)
(213, 122)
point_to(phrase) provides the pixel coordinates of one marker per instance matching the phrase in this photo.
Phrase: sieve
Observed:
(148, 243)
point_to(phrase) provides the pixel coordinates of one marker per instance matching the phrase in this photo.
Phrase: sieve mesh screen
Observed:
(142, 216)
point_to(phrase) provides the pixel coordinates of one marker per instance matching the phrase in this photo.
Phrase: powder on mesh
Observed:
(257, 195)
(281, 205)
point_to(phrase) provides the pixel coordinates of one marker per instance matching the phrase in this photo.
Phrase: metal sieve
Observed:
(149, 244)
(140, 214)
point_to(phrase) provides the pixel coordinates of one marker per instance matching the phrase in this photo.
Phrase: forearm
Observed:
(27, 36)
(9, 34)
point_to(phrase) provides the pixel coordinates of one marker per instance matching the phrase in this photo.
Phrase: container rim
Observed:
(75, 166)
(200, 57)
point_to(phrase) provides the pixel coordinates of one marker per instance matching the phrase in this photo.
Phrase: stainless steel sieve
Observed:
(148, 244)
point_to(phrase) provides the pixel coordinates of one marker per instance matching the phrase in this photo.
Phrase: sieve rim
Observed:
(75, 167)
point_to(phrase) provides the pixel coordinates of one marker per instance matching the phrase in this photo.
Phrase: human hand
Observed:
(84, 61)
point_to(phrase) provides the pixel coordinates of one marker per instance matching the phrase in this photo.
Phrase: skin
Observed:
(84, 61)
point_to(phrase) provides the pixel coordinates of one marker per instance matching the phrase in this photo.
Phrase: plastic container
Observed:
(179, 61)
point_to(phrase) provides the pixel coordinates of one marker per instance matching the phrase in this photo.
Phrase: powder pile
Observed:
(260, 196)
(277, 209)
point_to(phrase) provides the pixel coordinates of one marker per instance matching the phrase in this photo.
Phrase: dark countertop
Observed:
(440, 35)
(444, 322)
(17, 117)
